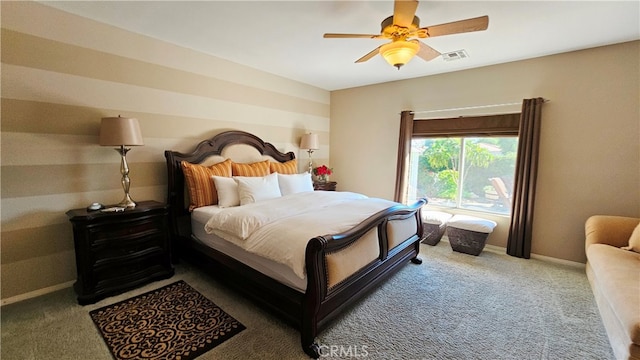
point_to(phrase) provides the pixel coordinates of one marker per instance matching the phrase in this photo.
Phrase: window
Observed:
(474, 173)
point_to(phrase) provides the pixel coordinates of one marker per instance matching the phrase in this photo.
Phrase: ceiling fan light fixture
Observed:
(399, 52)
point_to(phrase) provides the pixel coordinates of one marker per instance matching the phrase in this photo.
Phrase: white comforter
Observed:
(279, 229)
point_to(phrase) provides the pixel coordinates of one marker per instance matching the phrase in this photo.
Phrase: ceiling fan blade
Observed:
(373, 53)
(404, 11)
(426, 52)
(348, 36)
(456, 27)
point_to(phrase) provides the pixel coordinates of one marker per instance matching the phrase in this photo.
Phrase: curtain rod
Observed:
(466, 108)
(470, 107)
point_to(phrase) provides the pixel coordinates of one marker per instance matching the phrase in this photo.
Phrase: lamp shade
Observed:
(116, 131)
(309, 141)
(399, 52)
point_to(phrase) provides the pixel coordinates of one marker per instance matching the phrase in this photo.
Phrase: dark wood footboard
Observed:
(341, 268)
(326, 297)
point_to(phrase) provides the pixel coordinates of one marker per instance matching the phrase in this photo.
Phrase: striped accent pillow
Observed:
(289, 168)
(260, 168)
(202, 191)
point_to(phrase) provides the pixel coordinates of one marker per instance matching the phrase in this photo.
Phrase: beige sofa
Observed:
(614, 275)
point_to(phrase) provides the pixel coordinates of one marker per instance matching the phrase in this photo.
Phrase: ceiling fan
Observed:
(404, 25)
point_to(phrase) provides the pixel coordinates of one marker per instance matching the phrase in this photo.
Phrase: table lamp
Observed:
(121, 131)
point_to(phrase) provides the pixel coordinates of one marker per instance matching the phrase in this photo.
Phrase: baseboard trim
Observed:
(503, 251)
(36, 293)
(574, 264)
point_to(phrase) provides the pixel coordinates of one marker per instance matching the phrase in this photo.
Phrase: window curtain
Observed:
(404, 151)
(520, 231)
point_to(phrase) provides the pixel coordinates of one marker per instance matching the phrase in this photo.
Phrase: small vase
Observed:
(322, 178)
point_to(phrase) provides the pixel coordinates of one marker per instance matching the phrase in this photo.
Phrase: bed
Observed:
(338, 268)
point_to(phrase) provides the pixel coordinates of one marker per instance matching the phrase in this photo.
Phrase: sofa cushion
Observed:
(634, 240)
(617, 273)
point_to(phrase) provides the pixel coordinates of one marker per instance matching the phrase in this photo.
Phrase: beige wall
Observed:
(61, 74)
(590, 147)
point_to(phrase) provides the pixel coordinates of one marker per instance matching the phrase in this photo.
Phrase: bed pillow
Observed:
(253, 189)
(634, 240)
(260, 168)
(292, 184)
(288, 167)
(202, 191)
(227, 189)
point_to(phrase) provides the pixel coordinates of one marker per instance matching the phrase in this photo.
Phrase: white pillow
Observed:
(254, 189)
(227, 189)
(295, 183)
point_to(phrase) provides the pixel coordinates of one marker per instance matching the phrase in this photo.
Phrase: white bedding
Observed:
(279, 229)
(272, 269)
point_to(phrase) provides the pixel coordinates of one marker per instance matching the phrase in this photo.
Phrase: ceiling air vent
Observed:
(455, 55)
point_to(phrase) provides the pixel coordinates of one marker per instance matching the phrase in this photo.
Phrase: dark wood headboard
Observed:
(179, 220)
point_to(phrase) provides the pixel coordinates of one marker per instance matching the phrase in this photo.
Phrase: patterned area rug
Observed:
(172, 322)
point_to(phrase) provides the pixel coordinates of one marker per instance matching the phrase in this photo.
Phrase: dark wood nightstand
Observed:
(118, 251)
(326, 186)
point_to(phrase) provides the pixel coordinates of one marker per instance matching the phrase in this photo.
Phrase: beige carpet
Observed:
(453, 306)
(458, 306)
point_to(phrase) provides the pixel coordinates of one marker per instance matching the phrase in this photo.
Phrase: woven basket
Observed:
(466, 241)
(433, 233)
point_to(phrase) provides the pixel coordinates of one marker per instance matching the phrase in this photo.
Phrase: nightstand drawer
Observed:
(133, 246)
(109, 234)
(115, 268)
(325, 186)
(119, 256)
(135, 276)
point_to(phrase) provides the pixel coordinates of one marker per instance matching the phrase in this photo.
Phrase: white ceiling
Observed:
(285, 37)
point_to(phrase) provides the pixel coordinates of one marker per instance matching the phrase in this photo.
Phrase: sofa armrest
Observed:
(609, 230)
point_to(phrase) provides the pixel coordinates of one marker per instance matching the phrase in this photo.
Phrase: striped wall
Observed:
(61, 74)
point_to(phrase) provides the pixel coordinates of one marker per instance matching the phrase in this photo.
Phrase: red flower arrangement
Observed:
(322, 172)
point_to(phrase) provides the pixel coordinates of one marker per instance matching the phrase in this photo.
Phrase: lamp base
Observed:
(127, 202)
(310, 151)
(126, 183)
